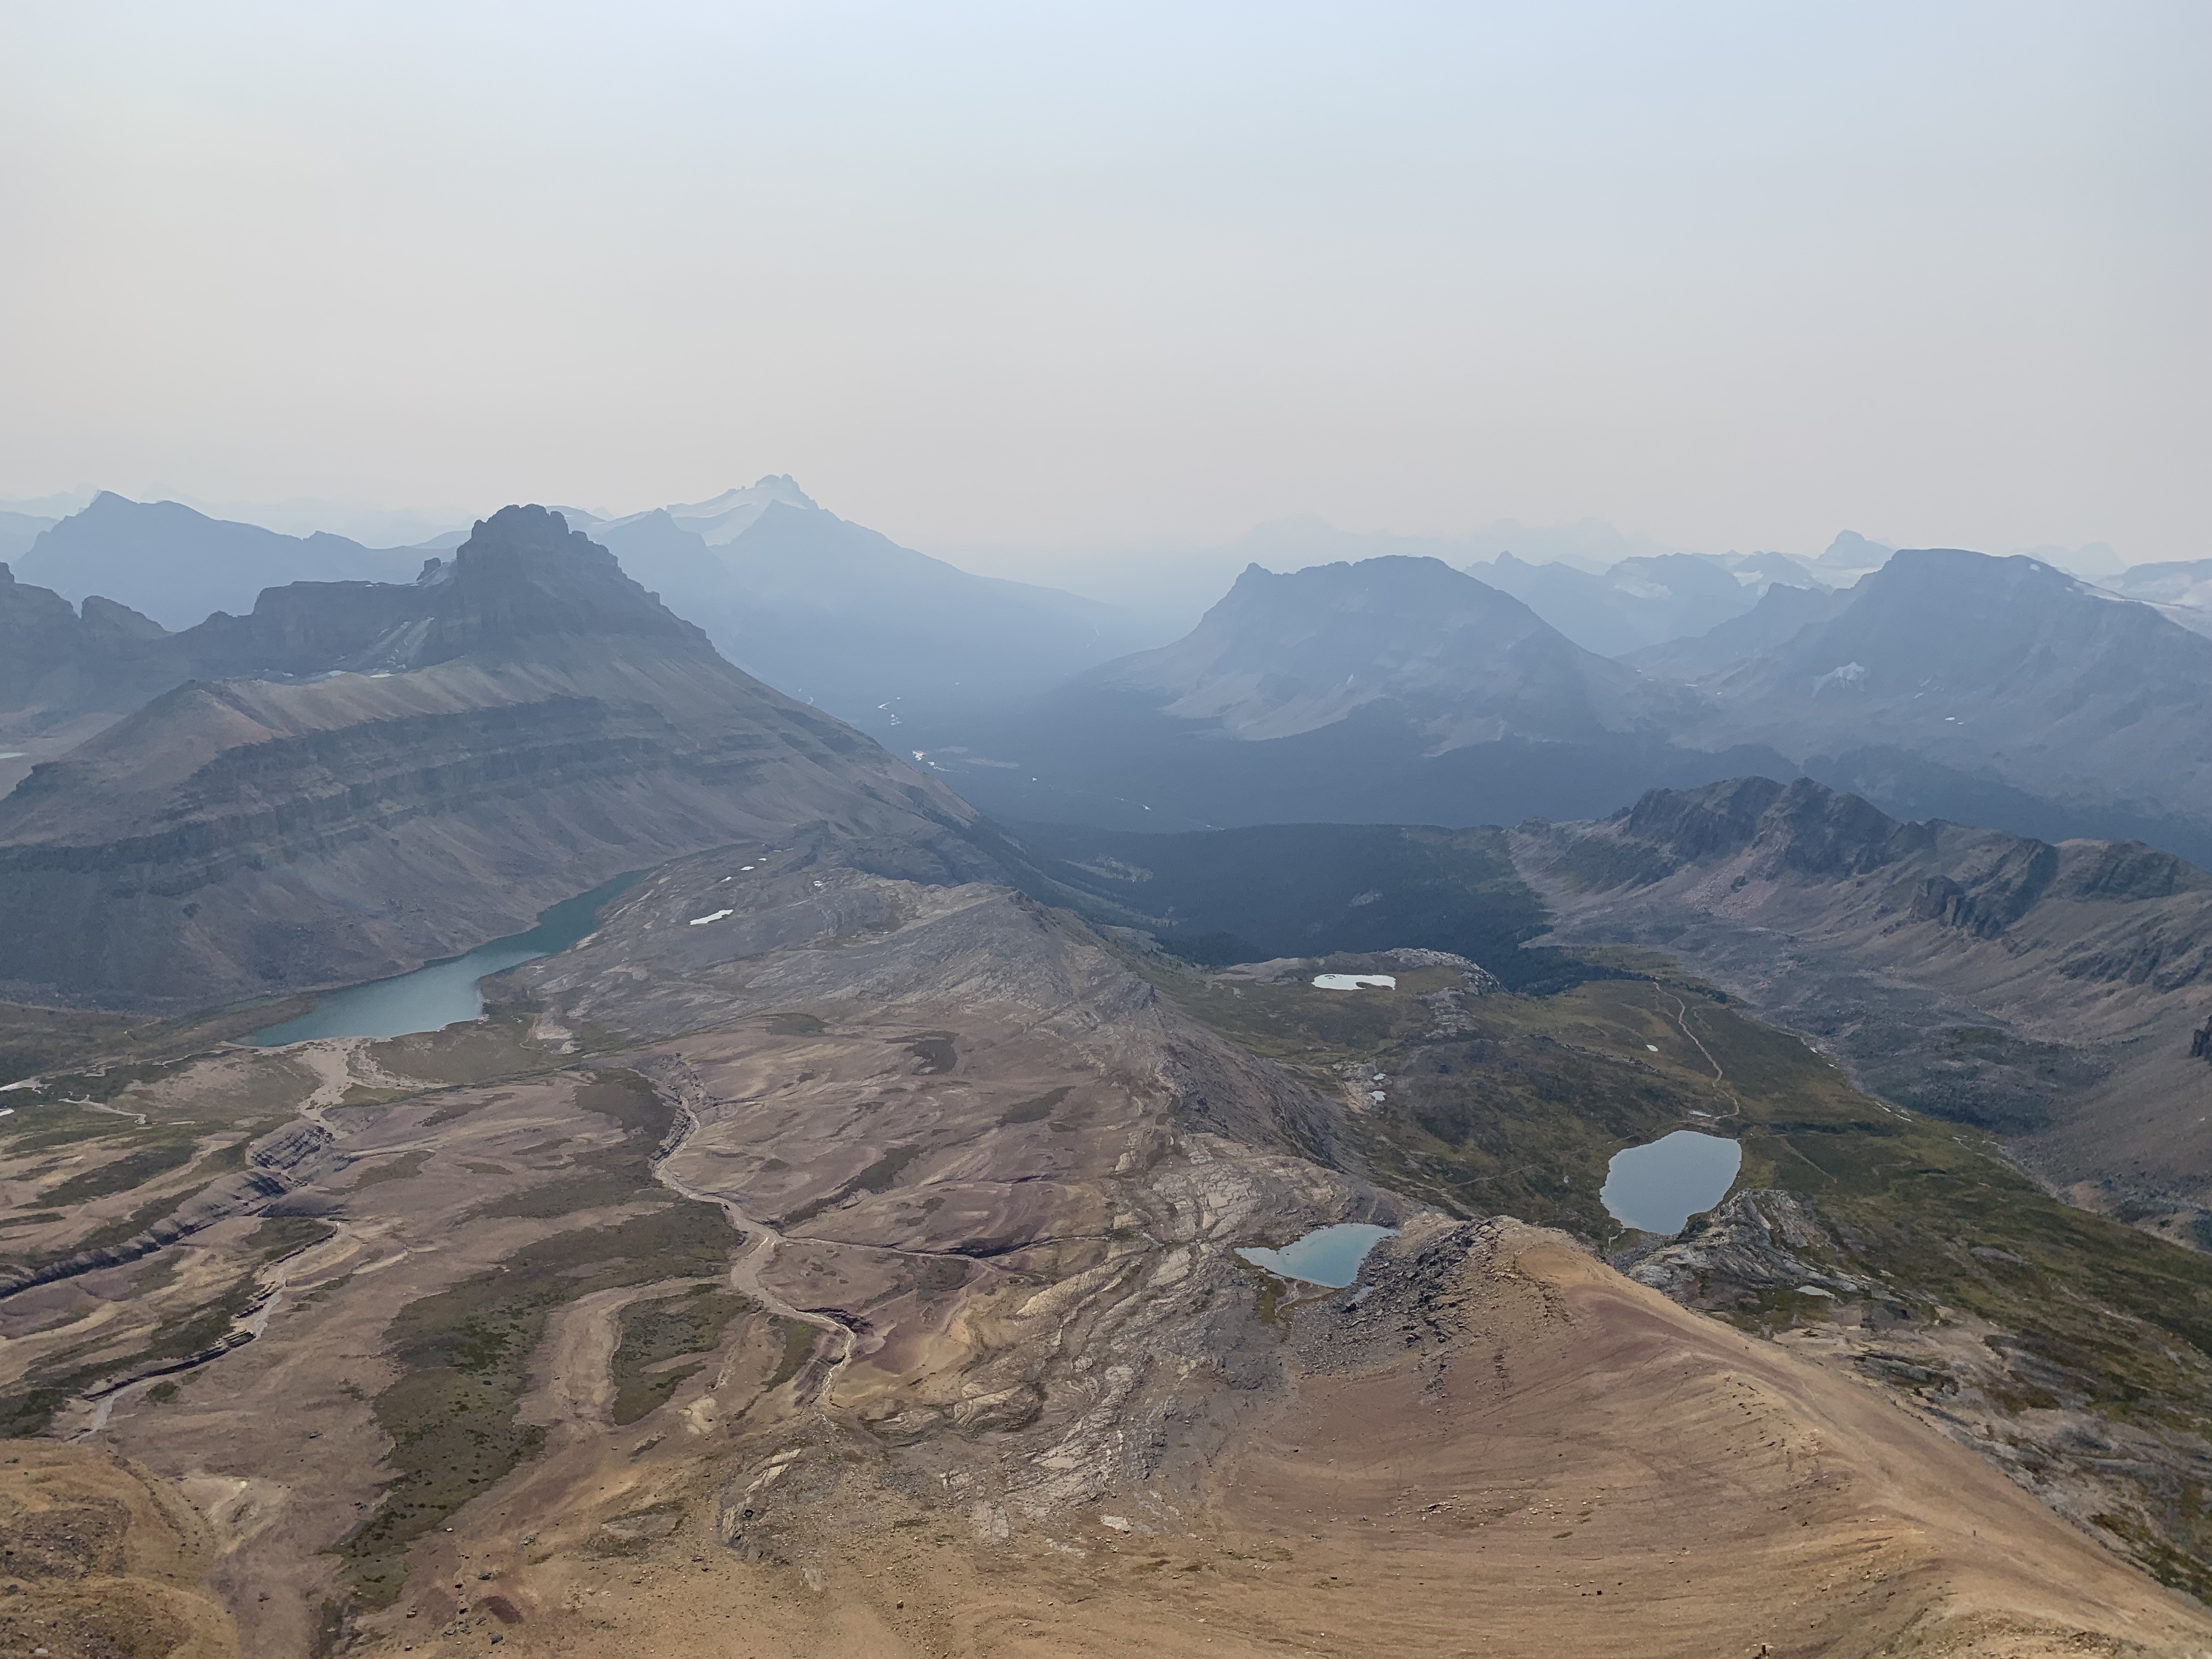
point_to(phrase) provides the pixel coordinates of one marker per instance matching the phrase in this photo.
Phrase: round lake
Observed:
(441, 993)
(1657, 1188)
(1327, 1255)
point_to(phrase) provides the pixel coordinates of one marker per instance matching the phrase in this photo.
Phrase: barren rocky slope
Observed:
(855, 1272)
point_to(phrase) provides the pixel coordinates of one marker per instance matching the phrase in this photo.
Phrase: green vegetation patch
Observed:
(44, 1042)
(162, 1153)
(157, 1151)
(463, 1358)
(1035, 1111)
(35, 1040)
(654, 1332)
(404, 1166)
(473, 1052)
(281, 1237)
(799, 1341)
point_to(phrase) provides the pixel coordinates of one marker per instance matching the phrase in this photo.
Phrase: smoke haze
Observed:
(1014, 285)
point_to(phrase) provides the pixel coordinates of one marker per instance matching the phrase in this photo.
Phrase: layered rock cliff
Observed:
(517, 727)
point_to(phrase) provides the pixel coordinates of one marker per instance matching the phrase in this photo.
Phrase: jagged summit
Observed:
(730, 515)
(1852, 551)
(523, 574)
(1805, 831)
(843, 616)
(1802, 826)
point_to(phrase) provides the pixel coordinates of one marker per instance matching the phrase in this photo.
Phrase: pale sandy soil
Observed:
(101, 1559)
(1582, 1469)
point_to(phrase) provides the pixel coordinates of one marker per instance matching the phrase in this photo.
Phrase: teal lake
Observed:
(1657, 1188)
(441, 993)
(1327, 1255)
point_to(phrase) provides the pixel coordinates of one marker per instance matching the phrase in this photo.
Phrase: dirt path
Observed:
(682, 1084)
(1682, 1020)
(113, 1111)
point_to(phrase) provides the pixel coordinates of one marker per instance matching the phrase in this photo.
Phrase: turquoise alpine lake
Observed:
(1657, 1188)
(1326, 1255)
(442, 994)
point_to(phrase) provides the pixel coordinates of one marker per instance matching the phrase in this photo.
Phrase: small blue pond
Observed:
(1326, 1255)
(1657, 1188)
(444, 993)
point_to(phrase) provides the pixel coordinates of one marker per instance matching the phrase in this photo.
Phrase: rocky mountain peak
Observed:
(1944, 622)
(1802, 827)
(1852, 551)
(1285, 654)
(1691, 824)
(1397, 586)
(103, 618)
(730, 515)
(523, 574)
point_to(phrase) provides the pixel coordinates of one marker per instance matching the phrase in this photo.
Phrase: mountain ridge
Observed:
(178, 566)
(516, 731)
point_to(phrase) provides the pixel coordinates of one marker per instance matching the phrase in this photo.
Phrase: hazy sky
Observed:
(990, 277)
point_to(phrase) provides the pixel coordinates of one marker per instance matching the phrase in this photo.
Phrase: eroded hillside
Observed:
(856, 1272)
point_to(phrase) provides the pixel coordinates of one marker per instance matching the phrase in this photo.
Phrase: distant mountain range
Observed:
(1286, 654)
(19, 531)
(1948, 684)
(1988, 690)
(842, 616)
(835, 614)
(177, 566)
(1389, 689)
(2181, 590)
(1396, 690)
(1641, 602)
(1780, 612)
(519, 725)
